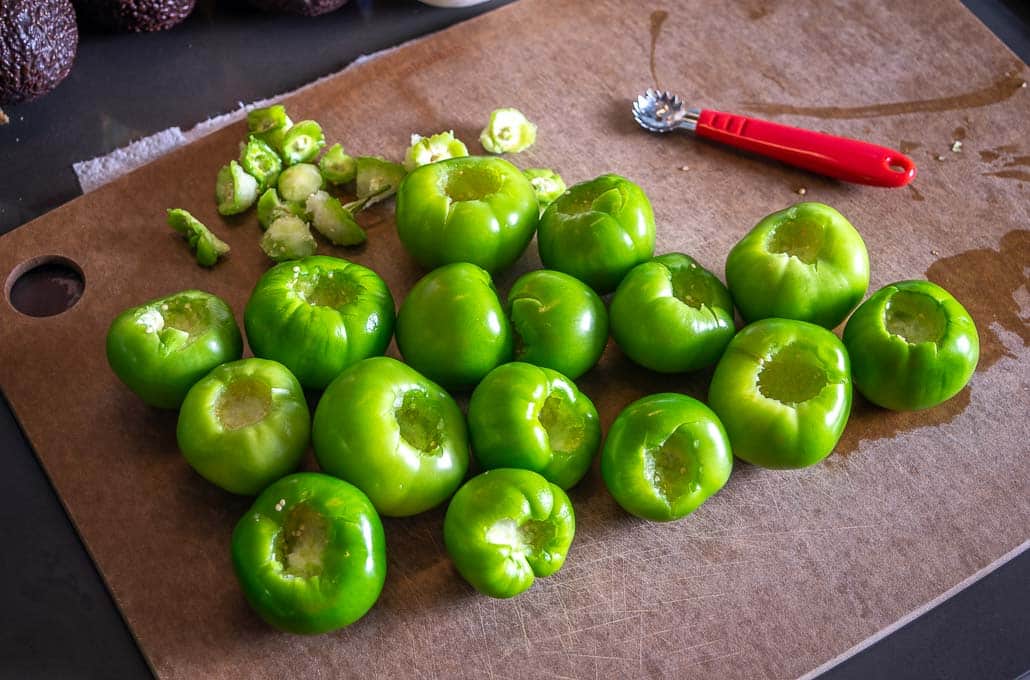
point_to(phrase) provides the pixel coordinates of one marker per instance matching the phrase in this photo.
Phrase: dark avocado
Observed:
(307, 8)
(134, 16)
(38, 39)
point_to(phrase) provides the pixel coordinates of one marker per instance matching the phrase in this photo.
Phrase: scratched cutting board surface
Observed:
(777, 574)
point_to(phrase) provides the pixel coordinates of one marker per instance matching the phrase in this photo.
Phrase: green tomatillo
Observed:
(559, 322)
(533, 418)
(451, 327)
(244, 425)
(470, 209)
(310, 554)
(394, 434)
(318, 315)
(507, 527)
(162, 347)
(805, 262)
(665, 455)
(672, 315)
(597, 231)
(783, 391)
(912, 346)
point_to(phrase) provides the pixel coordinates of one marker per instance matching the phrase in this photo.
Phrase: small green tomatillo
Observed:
(507, 527)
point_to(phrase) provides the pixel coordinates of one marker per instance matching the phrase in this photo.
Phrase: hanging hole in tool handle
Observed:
(903, 167)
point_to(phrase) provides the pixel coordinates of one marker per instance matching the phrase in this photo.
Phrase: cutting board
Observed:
(781, 571)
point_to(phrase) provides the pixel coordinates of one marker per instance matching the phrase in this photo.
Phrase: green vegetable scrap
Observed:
(261, 161)
(235, 189)
(509, 131)
(439, 147)
(377, 178)
(208, 247)
(297, 182)
(270, 125)
(270, 207)
(302, 142)
(333, 220)
(288, 238)
(337, 167)
(547, 184)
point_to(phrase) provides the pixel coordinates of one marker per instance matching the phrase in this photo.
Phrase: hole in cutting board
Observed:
(45, 286)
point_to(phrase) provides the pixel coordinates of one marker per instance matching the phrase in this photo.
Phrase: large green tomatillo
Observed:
(394, 434)
(505, 528)
(244, 425)
(162, 347)
(559, 322)
(665, 455)
(451, 327)
(471, 209)
(806, 263)
(912, 346)
(783, 391)
(310, 554)
(318, 315)
(597, 231)
(670, 314)
(533, 418)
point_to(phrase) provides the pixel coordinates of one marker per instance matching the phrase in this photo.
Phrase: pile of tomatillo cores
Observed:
(390, 439)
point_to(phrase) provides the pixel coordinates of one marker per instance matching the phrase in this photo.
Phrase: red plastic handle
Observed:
(840, 157)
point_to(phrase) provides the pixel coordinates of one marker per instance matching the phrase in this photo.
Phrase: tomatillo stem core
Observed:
(793, 375)
(301, 542)
(245, 401)
(915, 317)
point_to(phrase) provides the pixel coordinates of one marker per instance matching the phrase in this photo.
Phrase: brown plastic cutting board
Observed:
(780, 572)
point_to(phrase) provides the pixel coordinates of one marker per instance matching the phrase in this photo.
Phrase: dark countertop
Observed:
(61, 621)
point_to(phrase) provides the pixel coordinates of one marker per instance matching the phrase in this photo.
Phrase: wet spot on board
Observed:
(998, 91)
(986, 282)
(908, 147)
(658, 18)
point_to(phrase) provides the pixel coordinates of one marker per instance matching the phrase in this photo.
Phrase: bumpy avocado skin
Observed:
(134, 16)
(308, 8)
(38, 40)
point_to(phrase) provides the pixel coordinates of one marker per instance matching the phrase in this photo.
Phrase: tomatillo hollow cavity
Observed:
(558, 321)
(665, 455)
(310, 554)
(451, 327)
(162, 347)
(394, 434)
(533, 418)
(597, 231)
(783, 392)
(912, 346)
(507, 527)
(244, 425)
(672, 315)
(469, 209)
(805, 262)
(318, 315)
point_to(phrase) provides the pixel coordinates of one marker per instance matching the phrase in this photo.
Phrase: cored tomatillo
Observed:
(452, 328)
(559, 322)
(533, 418)
(665, 455)
(318, 315)
(310, 554)
(912, 346)
(394, 434)
(244, 425)
(783, 391)
(597, 231)
(162, 347)
(806, 263)
(670, 314)
(507, 527)
(469, 209)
